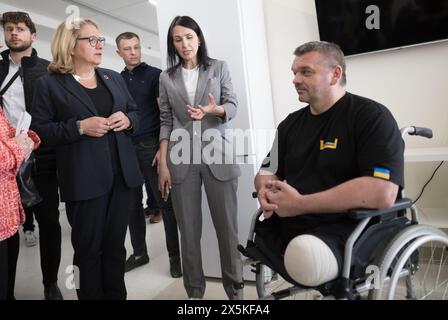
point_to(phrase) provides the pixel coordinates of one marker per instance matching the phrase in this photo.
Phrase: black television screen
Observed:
(360, 26)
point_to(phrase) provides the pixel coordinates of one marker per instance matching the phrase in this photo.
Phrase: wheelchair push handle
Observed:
(416, 131)
(424, 132)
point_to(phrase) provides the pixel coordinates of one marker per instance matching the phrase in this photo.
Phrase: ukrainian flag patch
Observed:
(381, 173)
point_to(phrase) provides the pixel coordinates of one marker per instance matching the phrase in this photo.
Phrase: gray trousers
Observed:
(222, 200)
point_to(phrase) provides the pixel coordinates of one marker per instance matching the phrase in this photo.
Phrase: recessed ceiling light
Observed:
(153, 2)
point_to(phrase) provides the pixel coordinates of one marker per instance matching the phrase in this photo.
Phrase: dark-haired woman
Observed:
(197, 100)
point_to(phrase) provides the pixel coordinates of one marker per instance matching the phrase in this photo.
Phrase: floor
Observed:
(149, 282)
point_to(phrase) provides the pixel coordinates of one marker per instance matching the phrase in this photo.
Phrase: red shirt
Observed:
(11, 157)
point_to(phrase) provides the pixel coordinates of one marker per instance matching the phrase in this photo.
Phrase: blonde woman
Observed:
(87, 114)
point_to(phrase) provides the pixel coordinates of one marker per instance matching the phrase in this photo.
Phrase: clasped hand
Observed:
(280, 197)
(99, 126)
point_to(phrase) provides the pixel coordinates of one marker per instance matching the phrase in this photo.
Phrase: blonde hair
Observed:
(63, 44)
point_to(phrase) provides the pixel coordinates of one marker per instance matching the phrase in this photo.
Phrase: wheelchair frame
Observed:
(396, 255)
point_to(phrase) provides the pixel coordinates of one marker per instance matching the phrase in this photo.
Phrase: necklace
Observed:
(79, 78)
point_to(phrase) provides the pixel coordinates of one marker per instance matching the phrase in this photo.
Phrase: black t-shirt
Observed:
(103, 102)
(356, 137)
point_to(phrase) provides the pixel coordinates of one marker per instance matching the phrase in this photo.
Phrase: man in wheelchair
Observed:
(340, 152)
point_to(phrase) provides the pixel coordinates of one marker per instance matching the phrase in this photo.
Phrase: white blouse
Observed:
(191, 82)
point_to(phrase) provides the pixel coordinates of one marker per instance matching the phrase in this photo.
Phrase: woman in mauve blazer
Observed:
(13, 151)
(87, 114)
(196, 103)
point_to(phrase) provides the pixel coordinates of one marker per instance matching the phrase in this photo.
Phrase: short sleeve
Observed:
(380, 146)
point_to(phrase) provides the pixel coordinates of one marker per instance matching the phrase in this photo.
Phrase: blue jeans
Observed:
(146, 151)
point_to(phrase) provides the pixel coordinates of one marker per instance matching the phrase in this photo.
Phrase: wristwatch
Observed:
(78, 125)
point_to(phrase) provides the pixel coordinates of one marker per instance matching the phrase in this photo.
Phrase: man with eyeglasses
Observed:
(21, 57)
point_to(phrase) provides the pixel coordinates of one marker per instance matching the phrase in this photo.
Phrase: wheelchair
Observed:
(404, 259)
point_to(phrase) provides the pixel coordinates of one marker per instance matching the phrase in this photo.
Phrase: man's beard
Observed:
(24, 46)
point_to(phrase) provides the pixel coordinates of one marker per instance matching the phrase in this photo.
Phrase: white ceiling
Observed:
(113, 17)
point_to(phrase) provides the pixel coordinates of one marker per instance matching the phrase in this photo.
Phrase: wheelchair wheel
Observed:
(419, 271)
(270, 285)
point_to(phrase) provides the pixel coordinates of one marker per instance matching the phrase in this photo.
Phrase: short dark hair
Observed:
(173, 58)
(17, 17)
(126, 35)
(330, 50)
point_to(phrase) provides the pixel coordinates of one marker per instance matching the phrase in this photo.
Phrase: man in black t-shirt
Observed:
(340, 152)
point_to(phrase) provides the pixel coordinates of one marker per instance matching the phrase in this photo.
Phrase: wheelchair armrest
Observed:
(369, 213)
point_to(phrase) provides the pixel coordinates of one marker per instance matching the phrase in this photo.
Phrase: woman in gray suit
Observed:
(196, 102)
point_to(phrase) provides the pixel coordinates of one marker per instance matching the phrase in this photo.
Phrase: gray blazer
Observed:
(175, 122)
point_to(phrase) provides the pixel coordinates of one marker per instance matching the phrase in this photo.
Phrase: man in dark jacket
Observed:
(142, 81)
(20, 33)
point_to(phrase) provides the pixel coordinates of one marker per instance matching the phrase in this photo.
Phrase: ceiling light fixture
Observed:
(153, 2)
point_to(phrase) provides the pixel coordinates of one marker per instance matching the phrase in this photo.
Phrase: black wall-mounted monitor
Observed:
(360, 26)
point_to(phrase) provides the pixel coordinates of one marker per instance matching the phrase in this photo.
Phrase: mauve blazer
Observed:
(83, 163)
(175, 121)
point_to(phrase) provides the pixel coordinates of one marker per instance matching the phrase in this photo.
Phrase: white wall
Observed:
(411, 82)
(288, 24)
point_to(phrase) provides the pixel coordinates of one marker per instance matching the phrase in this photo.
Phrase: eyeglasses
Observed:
(93, 40)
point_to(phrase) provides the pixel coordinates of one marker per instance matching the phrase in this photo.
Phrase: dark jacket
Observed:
(33, 68)
(143, 84)
(84, 163)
